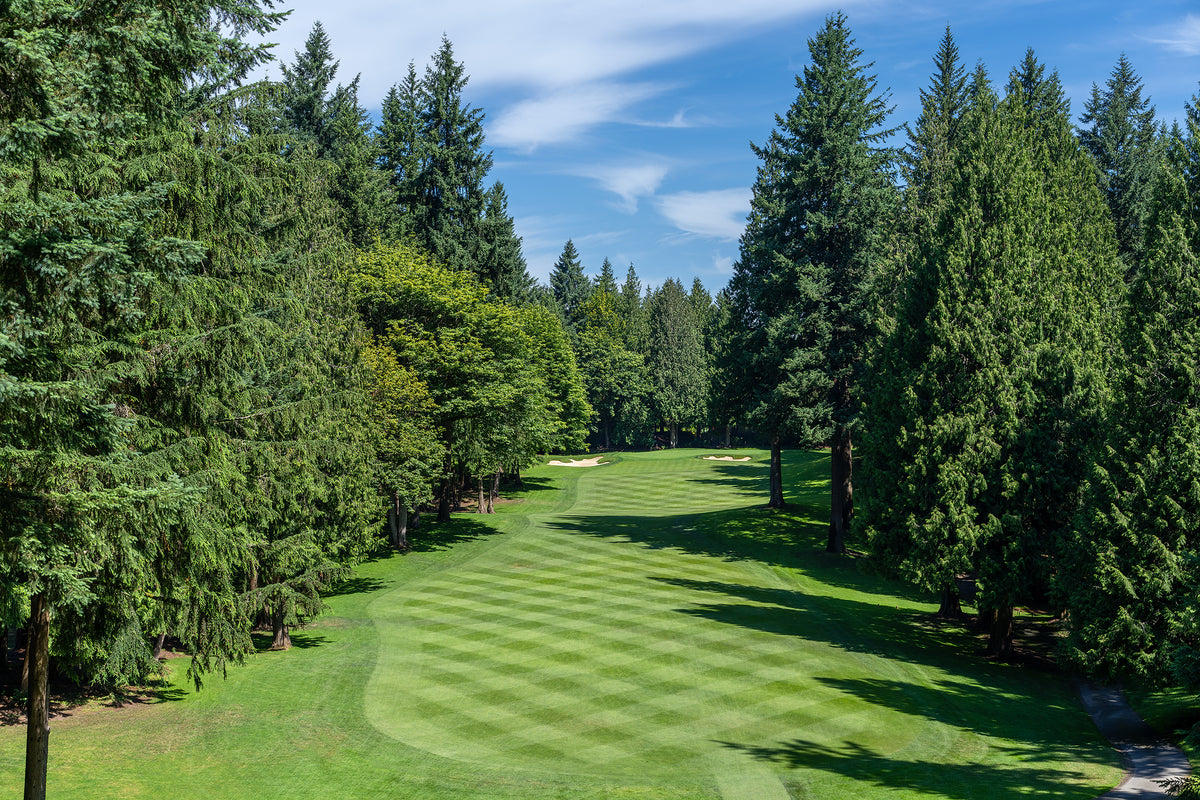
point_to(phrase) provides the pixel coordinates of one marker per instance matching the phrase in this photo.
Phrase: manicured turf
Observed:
(638, 630)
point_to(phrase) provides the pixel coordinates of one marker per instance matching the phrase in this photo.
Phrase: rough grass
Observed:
(638, 630)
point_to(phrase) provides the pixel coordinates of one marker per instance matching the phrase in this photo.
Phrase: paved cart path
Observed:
(1146, 756)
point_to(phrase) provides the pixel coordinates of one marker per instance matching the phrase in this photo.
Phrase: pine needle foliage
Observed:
(823, 200)
(995, 374)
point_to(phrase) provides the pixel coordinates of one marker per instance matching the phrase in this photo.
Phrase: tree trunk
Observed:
(415, 523)
(776, 473)
(674, 435)
(607, 426)
(494, 495)
(951, 607)
(1000, 636)
(728, 433)
(482, 508)
(393, 532)
(29, 635)
(402, 527)
(37, 740)
(398, 523)
(443, 514)
(158, 645)
(283, 638)
(841, 501)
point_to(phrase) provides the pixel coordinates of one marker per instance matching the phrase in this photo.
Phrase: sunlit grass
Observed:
(642, 629)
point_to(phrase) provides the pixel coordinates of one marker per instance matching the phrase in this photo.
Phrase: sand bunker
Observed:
(583, 462)
(725, 458)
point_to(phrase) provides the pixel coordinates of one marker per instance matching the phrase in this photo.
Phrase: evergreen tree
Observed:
(400, 147)
(927, 167)
(677, 364)
(570, 285)
(1122, 137)
(80, 517)
(932, 137)
(501, 265)
(306, 85)
(632, 310)
(1130, 579)
(606, 281)
(356, 185)
(822, 204)
(1000, 357)
(449, 195)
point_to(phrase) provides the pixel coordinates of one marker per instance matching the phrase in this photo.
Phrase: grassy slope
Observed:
(638, 630)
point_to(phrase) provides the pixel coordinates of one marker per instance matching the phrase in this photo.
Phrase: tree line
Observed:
(992, 328)
(246, 335)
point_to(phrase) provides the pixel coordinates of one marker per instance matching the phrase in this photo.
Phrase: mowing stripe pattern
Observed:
(579, 653)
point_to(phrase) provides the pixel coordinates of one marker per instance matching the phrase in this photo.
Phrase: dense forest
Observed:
(248, 336)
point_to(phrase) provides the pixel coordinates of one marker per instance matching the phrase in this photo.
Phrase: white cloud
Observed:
(1182, 38)
(722, 265)
(547, 51)
(719, 214)
(630, 182)
(563, 115)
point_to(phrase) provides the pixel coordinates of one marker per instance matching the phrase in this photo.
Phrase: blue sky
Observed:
(625, 124)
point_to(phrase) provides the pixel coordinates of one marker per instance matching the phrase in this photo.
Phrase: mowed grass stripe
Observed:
(582, 610)
(621, 634)
(643, 630)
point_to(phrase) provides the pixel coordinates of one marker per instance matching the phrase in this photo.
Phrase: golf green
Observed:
(641, 628)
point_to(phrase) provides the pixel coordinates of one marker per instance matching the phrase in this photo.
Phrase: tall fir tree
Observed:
(677, 363)
(400, 146)
(78, 253)
(501, 265)
(570, 285)
(449, 195)
(632, 310)
(1123, 138)
(606, 281)
(927, 165)
(1130, 581)
(1000, 358)
(823, 201)
(306, 85)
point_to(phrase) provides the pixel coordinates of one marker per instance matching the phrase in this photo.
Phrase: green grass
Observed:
(638, 630)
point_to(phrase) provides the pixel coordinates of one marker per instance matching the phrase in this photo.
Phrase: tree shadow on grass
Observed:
(864, 627)
(788, 538)
(526, 485)
(1026, 716)
(433, 536)
(964, 781)
(357, 585)
(301, 640)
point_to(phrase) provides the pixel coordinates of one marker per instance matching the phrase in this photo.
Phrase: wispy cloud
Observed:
(719, 214)
(680, 120)
(553, 56)
(630, 182)
(564, 115)
(1181, 38)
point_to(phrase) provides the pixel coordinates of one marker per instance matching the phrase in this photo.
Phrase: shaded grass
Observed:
(644, 629)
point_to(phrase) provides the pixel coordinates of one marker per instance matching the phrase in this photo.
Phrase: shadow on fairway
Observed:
(792, 538)
(461, 528)
(964, 781)
(874, 628)
(300, 641)
(530, 485)
(357, 585)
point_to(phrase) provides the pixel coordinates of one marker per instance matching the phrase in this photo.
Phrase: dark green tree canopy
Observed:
(1123, 138)
(570, 285)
